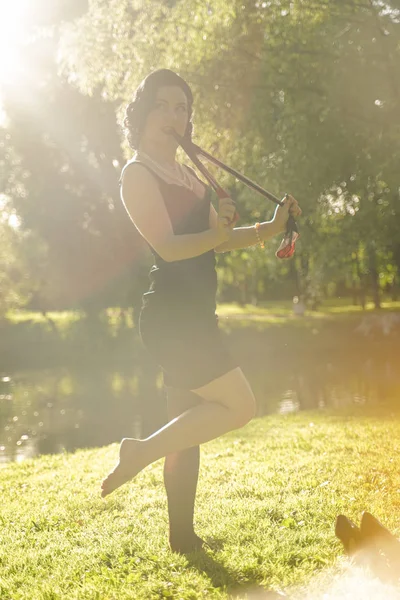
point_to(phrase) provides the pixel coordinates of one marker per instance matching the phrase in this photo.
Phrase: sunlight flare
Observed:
(12, 25)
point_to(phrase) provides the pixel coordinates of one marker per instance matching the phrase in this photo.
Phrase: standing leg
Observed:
(181, 472)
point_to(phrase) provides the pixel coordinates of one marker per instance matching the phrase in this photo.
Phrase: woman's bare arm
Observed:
(145, 206)
(243, 237)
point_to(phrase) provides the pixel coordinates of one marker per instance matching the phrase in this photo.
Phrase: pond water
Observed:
(63, 409)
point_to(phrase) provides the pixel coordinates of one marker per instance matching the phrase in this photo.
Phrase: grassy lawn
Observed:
(268, 312)
(267, 502)
(283, 310)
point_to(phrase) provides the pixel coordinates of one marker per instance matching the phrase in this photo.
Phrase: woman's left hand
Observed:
(290, 206)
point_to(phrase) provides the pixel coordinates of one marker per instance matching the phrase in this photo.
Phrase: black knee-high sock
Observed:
(181, 473)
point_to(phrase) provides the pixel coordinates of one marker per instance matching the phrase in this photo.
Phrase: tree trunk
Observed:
(296, 275)
(395, 289)
(373, 271)
(361, 282)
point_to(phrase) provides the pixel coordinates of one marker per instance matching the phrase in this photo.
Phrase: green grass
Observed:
(285, 309)
(272, 312)
(61, 317)
(281, 314)
(268, 498)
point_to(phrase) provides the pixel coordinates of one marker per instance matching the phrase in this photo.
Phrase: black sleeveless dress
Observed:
(178, 324)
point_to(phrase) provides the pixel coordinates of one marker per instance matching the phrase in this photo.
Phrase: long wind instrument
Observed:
(287, 246)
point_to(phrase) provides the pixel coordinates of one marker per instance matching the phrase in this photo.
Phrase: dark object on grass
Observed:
(349, 534)
(371, 544)
(382, 543)
(372, 530)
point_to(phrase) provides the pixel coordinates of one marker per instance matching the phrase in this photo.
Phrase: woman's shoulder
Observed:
(144, 175)
(135, 166)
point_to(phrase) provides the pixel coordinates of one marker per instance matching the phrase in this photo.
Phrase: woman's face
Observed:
(170, 110)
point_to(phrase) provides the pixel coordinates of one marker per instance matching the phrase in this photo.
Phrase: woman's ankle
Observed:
(185, 542)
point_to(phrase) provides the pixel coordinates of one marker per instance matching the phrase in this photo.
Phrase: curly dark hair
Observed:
(144, 99)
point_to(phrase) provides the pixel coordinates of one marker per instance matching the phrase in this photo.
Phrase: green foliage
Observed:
(14, 290)
(301, 96)
(62, 181)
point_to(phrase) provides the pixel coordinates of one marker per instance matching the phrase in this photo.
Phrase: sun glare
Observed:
(12, 22)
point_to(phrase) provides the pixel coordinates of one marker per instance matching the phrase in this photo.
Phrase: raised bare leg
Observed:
(228, 404)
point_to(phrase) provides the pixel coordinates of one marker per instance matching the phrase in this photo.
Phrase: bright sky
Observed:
(12, 23)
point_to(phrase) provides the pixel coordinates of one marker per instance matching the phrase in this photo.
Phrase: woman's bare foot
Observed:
(130, 464)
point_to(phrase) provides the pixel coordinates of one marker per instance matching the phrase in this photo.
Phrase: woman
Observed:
(208, 394)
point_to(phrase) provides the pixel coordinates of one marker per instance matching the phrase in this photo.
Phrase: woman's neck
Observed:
(160, 154)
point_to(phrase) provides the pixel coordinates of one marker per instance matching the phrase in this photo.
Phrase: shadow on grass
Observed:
(227, 579)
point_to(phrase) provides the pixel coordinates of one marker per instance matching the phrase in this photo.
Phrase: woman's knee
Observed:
(179, 401)
(245, 410)
(233, 391)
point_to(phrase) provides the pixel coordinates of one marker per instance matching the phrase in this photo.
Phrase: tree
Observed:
(285, 92)
(62, 153)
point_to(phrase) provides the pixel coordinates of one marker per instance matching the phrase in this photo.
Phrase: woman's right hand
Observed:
(227, 217)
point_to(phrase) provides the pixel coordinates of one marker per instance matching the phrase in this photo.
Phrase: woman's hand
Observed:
(281, 216)
(227, 218)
